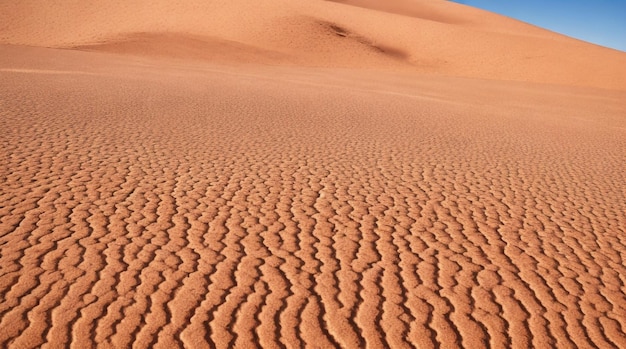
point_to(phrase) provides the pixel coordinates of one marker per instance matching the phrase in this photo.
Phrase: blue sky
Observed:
(602, 22)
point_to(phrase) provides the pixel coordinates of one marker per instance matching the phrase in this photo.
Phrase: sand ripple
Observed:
(211, 209)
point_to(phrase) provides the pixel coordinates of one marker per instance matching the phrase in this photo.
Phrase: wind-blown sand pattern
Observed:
(173, 181)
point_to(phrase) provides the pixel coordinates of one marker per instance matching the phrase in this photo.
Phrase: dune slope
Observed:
(419, 35)
(306, 174)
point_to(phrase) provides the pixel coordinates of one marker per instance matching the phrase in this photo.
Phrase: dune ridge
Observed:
(423, 35)
(288, 174)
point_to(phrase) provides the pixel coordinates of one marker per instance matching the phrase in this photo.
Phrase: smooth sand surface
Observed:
(286, 174)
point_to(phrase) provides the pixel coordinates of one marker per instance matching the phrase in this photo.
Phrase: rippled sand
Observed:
(156, 201)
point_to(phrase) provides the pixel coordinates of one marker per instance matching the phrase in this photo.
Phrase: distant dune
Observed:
(319, 174)
(432, 36)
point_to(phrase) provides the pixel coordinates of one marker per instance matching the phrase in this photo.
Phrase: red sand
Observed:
(287, 173)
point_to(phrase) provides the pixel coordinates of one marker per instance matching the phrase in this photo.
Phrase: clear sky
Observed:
(602, 22)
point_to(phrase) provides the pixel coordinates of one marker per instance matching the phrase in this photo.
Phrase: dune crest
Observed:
(428, 36)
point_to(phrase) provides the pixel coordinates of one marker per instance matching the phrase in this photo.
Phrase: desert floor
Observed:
(150, 199)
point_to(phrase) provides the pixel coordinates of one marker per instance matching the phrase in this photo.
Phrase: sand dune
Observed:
(282, 174)
(419, 35)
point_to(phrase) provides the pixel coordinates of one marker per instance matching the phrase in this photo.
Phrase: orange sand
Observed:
(319, 174)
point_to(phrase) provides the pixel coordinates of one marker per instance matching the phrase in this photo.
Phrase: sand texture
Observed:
(287, 174)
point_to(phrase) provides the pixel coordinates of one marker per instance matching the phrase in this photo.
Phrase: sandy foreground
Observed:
(290, 174)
